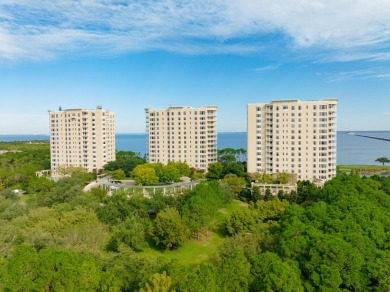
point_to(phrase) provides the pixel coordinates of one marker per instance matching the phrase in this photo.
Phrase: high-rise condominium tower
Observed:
(182, 134)
(293, 136)
(82, 138)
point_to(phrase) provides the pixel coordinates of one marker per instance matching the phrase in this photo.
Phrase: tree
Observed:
(39, 185)
(268, 195)
(170, 174)
(234, 273)
(307, 191)
(227, 158)
(260, 177)
(62, 270)
(230, 155)
(202, 206)
(158, 168)
(21, 270)
(272, 209)
(77, 229)
(242, 220)
(69, 170)
(64, 190)
(144, 174)
(283, 177)
(215, 170)
(241, 154)
(248, 219)
(130, 232)
(169, 230)
(125, 270)
(119, 207)
(234, 182)
(196, 174)
(126, 161)
(204, 279)
(256, 194)
(336, 240)
(158, 283)
(236, 168)
(198, 214)
(183, 167)
(118, 174)
(383, 160)
(272, 274)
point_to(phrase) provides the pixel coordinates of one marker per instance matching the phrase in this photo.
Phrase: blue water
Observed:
(133, 142)
(360, 150)
(350, 149)
(11, 138)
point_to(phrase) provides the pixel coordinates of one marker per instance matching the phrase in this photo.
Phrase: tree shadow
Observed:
(152, 244)
(220, 229)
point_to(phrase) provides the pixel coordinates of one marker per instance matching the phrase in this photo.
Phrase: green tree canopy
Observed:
(234, 182)
(144, 174)
(170, 174)
(215, 170)
(202, 206)
(126, 161)
(130, 232)
(169, 230)
(382, 160)
(50, 269)
(158, 283)
(272, 274)
(183, 167)
(118, 174)
(337, 240)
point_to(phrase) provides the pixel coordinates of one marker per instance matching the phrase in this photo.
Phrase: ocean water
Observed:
(351, 149)
(11, 138)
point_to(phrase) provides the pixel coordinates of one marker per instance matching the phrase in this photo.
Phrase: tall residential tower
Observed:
(182, 134)
(81, 138)
(293, 136)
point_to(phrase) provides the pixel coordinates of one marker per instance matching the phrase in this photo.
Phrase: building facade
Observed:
(293, 136)
(183, 134)
(81, 138)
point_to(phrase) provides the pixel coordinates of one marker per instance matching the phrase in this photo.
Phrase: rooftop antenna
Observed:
(60, 108)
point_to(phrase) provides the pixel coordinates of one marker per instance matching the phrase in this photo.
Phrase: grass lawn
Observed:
(195, 251)
(25, 145)
(362, 168)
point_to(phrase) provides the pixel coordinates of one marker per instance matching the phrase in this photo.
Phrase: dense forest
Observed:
(56, 237)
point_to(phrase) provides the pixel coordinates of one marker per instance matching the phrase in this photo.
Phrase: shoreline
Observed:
(364, 169)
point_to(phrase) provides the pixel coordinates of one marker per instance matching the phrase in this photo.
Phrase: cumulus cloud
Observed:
(336, 30)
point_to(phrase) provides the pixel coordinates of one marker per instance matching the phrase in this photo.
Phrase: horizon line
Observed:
(221, 132)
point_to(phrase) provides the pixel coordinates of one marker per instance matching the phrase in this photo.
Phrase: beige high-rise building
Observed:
(81, 138)
(182, 134)
(293, 136)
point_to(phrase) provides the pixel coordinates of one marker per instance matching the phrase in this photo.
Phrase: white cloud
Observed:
(267, 68)
(381, 73)
(337, 30)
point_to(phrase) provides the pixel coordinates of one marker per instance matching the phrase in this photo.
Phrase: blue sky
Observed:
(130, 55)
